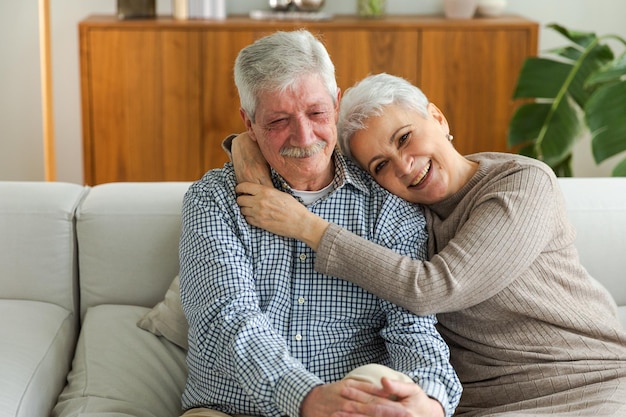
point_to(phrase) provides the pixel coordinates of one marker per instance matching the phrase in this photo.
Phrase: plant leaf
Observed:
(526, 123)
(580, 85)
(567, 52)
(541, 78)
(552, 128)
(564, 169)
(578, 37)
(570, 53)
(605, 114)
(588, 63)
(610, 72)
(620, 169)
(560, 132)
(545, 77)
(528, 151)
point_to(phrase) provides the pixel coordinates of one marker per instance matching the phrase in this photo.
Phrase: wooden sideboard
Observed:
(158, 95)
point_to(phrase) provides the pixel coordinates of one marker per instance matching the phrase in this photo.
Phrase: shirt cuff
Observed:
(292, 388)
(437, 391)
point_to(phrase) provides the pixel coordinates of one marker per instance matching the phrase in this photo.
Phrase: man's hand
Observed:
(394, 399)
(248, 161)
(324, 400)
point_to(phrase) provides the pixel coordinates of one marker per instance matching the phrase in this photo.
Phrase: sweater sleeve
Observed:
(499, 234)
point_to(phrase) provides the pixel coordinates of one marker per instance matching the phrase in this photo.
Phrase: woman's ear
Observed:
(439, 117)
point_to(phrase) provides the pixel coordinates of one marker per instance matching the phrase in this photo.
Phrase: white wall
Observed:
(21, 149)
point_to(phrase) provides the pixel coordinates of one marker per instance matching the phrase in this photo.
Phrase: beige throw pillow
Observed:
(167, 318)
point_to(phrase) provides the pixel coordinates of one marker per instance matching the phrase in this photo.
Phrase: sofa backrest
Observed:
(128, 235)
(37, 242)
(597, 208)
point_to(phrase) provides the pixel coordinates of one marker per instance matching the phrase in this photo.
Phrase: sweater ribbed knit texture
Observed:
(530, 332)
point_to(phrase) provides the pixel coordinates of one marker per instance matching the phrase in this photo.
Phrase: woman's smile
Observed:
(422, 176)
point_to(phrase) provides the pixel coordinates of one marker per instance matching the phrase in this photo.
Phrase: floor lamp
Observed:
(46, 91)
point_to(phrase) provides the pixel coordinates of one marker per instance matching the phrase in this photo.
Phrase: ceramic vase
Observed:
(459, 9)
(491, 8)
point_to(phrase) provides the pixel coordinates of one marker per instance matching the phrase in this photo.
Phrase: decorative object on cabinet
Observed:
(136, 9)
(289, 15)
(459, 9)
(280, 5)
(371, 8)
(199, 9)
(158, 96)
(309, 5)
(490, 8)
(180, 9)
(579, 89)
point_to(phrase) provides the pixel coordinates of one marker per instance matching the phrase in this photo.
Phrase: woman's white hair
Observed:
(369, 97)
(277, 61)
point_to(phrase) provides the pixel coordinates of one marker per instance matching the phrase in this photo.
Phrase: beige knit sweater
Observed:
(527, 326)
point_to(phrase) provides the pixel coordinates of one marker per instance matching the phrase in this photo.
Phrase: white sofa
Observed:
(122, 239)
(80, 266)
(38, 294)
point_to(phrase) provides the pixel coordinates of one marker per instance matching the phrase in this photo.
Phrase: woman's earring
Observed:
(449, 137)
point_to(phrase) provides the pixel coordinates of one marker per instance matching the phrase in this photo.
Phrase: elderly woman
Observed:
(530, 332)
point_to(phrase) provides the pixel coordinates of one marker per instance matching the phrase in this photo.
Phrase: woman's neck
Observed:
(467, 169)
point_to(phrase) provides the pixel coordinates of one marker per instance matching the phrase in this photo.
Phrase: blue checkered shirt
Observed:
(266, 328)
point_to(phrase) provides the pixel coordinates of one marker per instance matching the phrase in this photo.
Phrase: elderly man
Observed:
(268, 335)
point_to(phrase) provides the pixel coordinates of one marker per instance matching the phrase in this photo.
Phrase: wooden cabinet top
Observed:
(336, 22)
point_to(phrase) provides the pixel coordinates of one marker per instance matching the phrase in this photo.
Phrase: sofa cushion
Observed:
(38, 245)
(597, 208)
(128, 236)
(120, 369)
(167, 318)
(36, 349)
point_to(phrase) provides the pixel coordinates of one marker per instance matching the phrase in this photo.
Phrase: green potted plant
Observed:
(371, 8)
(576, 89)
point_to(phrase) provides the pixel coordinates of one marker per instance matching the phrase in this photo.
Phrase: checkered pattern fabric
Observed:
(265, 327)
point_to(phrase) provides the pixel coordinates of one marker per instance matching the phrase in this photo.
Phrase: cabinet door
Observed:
(357, 53)
(220, 114)
(143, 105)
(470, 75)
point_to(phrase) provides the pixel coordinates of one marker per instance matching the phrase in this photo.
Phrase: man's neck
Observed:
(309, 197)
(312, 183)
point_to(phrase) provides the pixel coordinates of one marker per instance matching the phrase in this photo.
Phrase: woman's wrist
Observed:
(313, 230)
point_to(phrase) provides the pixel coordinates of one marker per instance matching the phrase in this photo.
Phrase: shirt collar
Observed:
(346, 173)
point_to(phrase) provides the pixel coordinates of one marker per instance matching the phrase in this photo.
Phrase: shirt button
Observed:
(298, 337)
(303, 257)
(301, 300)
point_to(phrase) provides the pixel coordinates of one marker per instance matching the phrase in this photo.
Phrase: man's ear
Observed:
(338, 101)
(247, 122)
